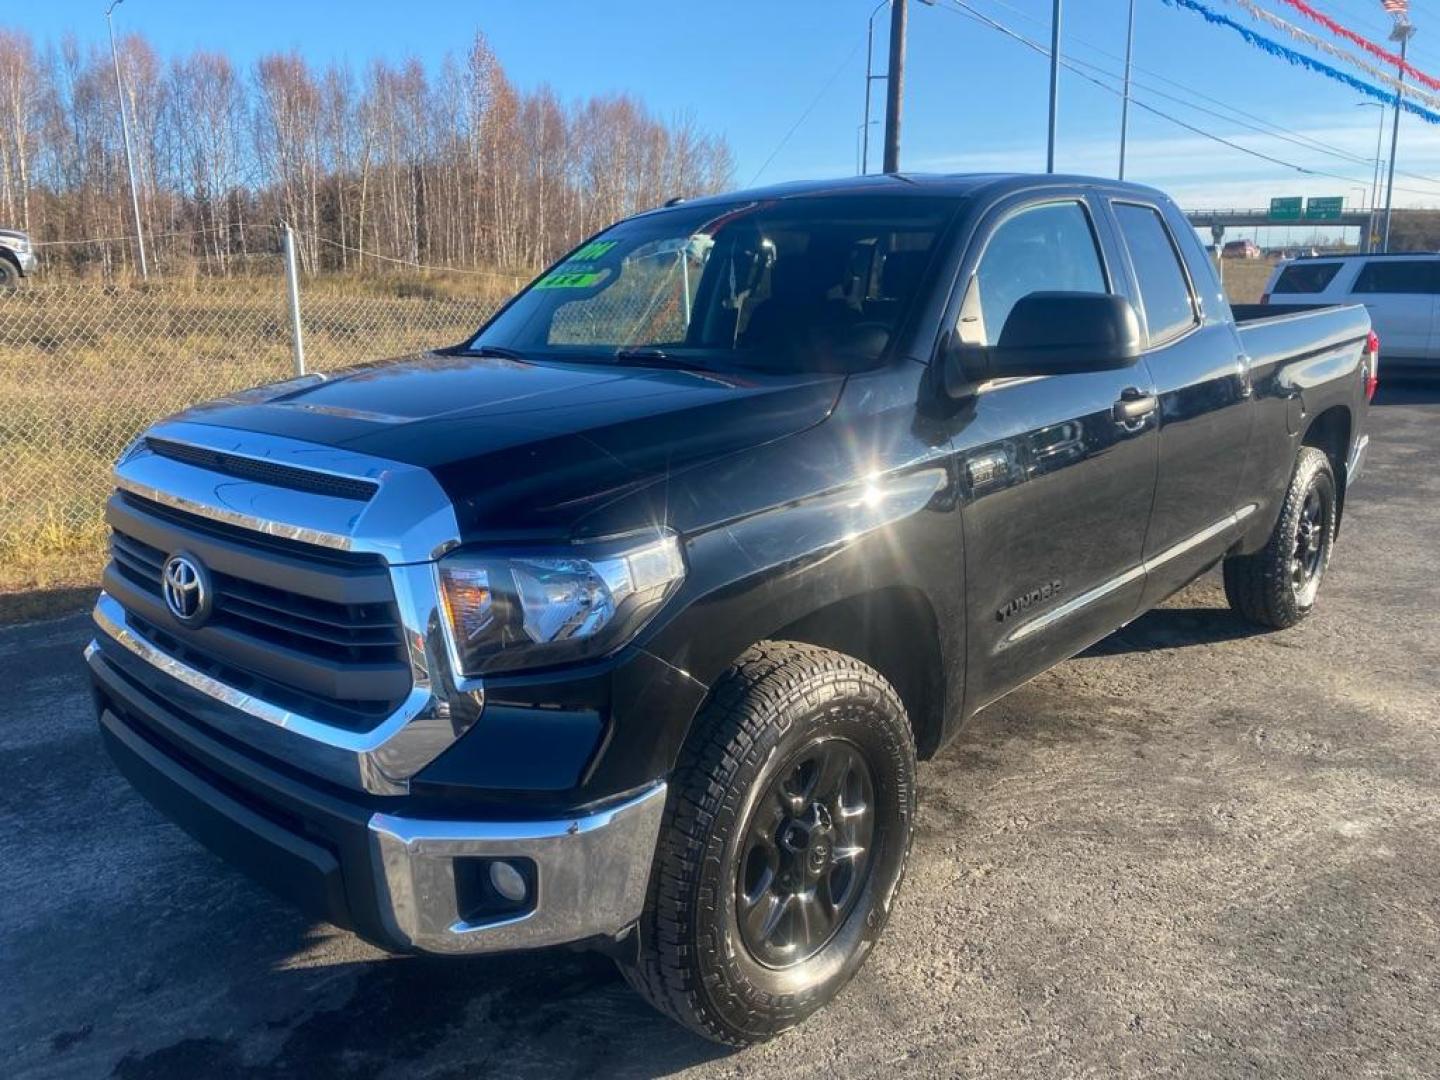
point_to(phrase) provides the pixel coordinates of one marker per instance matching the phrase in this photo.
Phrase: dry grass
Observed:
(85, 367)
(1245, 278)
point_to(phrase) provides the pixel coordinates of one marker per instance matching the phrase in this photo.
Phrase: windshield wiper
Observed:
(646, 355)
(499, 352)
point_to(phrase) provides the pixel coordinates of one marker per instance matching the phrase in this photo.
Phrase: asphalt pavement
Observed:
(1194, 850)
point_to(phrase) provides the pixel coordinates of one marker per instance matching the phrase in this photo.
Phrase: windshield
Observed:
(805, 284)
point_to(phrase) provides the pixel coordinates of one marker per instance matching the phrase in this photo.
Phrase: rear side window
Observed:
(1164, 290)
(1396, 276)
(1306, 277)
(1047, 248)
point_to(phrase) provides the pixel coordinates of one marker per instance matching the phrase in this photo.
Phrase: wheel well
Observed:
(1330, 432)
(892, 630)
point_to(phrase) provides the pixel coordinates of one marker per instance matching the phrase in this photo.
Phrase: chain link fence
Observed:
(85, 366)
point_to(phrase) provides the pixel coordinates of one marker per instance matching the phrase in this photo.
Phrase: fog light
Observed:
(508, 881)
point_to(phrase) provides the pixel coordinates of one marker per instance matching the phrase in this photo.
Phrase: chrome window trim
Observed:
(408, 523)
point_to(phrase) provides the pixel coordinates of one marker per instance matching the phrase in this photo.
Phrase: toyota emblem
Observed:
(186, 586)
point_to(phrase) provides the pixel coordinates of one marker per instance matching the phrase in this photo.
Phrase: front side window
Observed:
(1396, 276)
(1164, 290)
(1049, 248)
(816, 283)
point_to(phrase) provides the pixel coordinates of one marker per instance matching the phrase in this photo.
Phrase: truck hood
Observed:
(530, 448)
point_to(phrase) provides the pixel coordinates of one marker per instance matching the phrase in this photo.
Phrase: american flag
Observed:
(1396, 7)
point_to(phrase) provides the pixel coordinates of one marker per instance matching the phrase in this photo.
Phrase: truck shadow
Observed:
(1175, 628)
(546, 1014)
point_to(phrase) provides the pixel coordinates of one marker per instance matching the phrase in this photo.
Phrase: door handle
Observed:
(1134, 404)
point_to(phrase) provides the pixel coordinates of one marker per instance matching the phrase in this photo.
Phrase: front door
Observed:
(1057, 488)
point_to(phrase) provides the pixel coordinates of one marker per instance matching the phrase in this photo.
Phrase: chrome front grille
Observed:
(323, 649)
(310, 627)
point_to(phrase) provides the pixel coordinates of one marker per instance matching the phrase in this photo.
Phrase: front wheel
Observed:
(1277, 585)
(784, 840)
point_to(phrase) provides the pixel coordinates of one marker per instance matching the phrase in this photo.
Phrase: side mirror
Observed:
(1054, 333)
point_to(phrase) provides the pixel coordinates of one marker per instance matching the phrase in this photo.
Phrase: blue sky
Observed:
(752, 68)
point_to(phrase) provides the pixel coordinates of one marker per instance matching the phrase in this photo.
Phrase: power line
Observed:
(515, 279)
(1277, 130)
(806, 114)
(153, 236)
(966, 11)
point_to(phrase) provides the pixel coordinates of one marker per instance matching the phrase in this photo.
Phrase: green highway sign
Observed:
(1325, 209)
(1286, 209)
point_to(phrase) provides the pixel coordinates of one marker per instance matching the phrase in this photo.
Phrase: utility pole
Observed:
(895, 86)
(1402, 33)
(1371, 234)
(1125, 98)
(1054, 84)
(869, 79)
(125, 131)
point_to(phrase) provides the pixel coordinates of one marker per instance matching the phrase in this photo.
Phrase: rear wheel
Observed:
(1277, 586)
(9, 275)
(785, 839)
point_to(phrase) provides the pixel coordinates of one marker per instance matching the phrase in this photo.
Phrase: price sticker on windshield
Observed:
(572, 279)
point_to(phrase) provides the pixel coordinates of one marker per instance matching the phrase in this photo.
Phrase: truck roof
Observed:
(923, 184)
(1374, 255)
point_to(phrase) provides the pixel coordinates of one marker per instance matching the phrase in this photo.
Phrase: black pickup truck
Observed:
(622, 624)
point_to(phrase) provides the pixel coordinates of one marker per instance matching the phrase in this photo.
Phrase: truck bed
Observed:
(1271, 334)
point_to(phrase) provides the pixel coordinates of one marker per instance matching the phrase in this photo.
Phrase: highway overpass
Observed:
(1217, 221)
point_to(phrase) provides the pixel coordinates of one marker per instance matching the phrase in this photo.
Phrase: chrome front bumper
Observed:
(591, 876)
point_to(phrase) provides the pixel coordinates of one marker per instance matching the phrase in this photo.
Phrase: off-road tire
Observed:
(1263, 587)
(690, 959)
(9, 275)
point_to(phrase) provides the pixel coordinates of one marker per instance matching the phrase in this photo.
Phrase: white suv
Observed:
(1401, 292)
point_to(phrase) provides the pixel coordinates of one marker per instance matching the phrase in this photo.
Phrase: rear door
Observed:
(1057, 489)
(1202, 381)
(1400, 295)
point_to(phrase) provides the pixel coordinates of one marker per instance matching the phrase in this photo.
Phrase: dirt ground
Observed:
(1194, 850)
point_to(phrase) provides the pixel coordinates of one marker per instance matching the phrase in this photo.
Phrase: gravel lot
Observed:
(1193, 850)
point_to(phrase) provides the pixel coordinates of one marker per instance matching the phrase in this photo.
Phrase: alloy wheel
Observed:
(806, 853)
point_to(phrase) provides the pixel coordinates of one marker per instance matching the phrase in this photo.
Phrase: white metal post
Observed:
(125, 132)
(292, 281)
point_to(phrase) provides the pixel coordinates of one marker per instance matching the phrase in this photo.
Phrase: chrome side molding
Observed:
(1105, 588)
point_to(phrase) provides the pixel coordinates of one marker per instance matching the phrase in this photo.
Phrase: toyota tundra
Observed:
(622, 624)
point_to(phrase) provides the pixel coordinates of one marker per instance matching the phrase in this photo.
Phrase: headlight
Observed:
(522, 609)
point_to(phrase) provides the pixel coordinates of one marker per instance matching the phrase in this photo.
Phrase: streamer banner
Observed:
(1259, 14)
(1365, 43)
(1274, 48)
